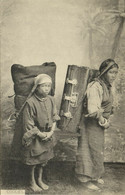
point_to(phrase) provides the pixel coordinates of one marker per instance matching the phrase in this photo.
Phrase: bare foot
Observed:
(43, 185)
(35, 188)
(91, 186)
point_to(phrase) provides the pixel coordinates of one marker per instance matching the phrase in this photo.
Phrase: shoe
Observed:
(91, 186)
(100, 181)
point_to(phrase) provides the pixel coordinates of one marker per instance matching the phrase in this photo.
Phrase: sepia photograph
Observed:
(62, 97)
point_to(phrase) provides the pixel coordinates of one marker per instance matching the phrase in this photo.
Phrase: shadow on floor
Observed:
(61, 179)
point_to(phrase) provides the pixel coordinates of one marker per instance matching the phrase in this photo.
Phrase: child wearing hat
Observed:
(39, 120)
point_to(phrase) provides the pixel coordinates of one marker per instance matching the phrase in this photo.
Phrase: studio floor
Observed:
(61, 180)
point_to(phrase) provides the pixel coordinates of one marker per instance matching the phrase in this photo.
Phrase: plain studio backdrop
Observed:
(34, 32)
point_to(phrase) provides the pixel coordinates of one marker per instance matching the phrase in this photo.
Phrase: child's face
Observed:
(44, 88)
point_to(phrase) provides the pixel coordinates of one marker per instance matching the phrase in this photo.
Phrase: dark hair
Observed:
(105, 64)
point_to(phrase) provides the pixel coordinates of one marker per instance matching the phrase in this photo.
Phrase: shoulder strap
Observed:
(30, 94)
(52, 100)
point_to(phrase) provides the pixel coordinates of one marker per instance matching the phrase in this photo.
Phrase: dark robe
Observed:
(38, 115)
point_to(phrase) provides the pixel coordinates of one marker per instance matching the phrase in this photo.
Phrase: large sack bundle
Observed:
(23, 79)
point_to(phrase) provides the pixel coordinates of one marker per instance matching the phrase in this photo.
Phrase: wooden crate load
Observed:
(76, 81)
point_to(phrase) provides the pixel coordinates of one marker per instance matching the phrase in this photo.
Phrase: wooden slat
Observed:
(81, 75)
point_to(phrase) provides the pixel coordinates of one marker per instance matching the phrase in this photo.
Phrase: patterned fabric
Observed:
(90, 149)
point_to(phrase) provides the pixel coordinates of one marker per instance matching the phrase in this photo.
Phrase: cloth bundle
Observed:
(23, 78)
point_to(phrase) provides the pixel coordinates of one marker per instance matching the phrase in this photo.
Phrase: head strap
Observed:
(108, 67)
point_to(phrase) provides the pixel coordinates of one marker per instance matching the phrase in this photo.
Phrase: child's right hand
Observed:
(42, 135)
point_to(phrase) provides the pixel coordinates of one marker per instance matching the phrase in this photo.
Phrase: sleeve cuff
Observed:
(103, 124)
(29, 136)
(56, 118)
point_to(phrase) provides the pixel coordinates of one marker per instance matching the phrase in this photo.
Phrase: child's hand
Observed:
(42, 135)
(48, 135)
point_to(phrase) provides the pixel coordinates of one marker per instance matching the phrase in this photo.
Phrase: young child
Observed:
(39, 120)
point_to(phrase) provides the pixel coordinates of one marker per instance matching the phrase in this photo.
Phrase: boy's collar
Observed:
(42, 99)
